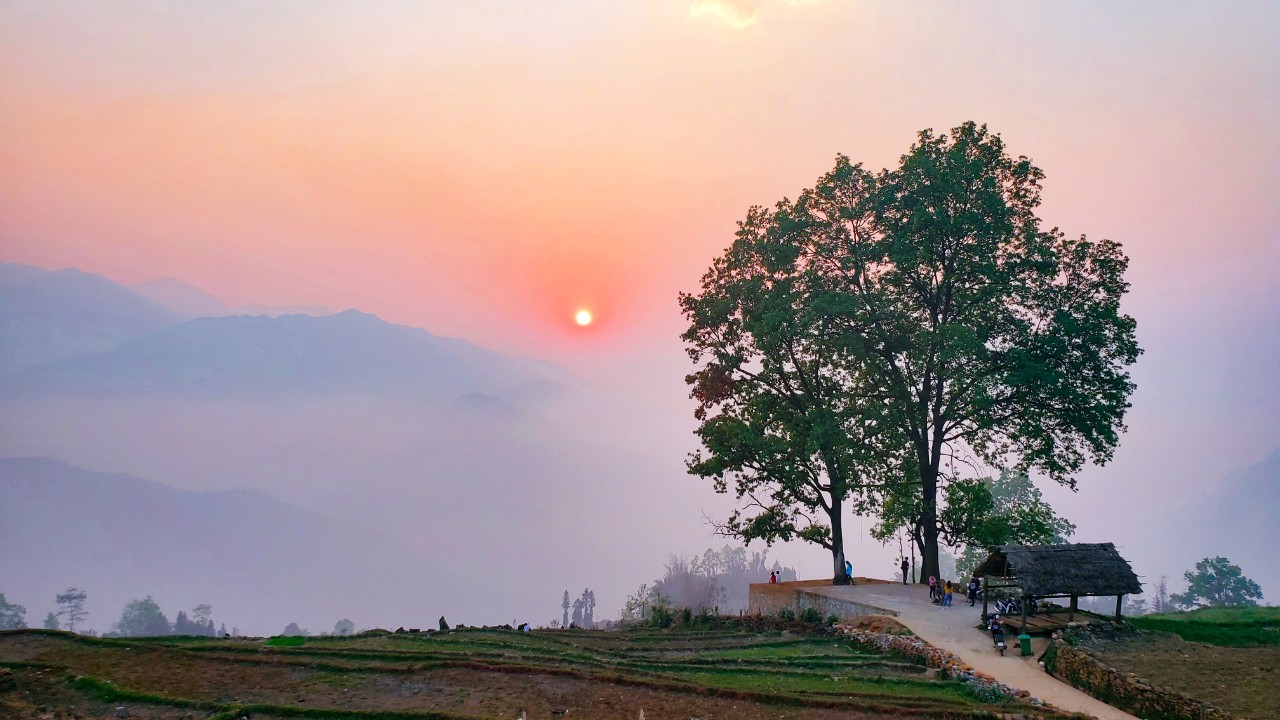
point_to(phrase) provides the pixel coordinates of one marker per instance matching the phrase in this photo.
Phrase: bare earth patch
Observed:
(1243, 681)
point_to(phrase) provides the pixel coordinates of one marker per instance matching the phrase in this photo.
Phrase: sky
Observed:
(485, 169)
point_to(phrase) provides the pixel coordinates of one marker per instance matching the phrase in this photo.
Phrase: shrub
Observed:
(786, 614)
(660, 617)
(811, 615)
(833, 619)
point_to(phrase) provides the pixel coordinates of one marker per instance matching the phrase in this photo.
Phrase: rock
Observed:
(122, 711)
(443, 625)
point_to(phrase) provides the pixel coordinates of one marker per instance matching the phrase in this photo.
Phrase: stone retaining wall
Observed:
(767, 599)
(948, 664)
(1135, 696)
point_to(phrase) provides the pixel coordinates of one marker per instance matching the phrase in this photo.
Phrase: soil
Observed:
(42, 664)
(1243, 681)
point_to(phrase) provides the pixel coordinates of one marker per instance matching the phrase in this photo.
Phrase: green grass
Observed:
(286, 641)
(1231, 627)
(819, 671)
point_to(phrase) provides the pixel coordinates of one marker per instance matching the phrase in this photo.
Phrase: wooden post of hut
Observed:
(1119, 604)
(1071, 612)
(986, 589)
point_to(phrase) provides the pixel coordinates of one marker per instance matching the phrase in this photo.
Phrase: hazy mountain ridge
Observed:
(190, 302)
(493, 466)
(48, 315)
(349, 352)
(258, 560)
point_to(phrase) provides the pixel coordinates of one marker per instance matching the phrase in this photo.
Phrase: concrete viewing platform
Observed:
(956, 630)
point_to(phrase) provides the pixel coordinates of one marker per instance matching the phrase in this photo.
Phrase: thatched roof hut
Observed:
(1078, 569)
(1067, 570)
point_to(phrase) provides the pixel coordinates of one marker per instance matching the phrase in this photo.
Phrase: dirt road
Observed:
(956, 631)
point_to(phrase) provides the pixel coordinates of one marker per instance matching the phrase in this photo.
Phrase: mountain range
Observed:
(260, 562)
(489, 469)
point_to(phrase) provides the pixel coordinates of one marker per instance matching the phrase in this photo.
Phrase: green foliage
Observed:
(786, 614)
(51, 621)
(1233, 627)
(12, 615)
(661, 617)
(984, 514)
(344, 627)
(286, 641)
(852, 342)
(811, 615)
(143, 618)
(1215, 582)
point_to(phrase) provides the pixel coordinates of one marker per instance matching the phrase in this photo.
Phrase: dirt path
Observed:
(955, 630)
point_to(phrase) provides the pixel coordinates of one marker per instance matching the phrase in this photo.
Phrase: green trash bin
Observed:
(1025, 640)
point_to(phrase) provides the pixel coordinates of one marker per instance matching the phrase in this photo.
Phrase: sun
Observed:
(583, 317)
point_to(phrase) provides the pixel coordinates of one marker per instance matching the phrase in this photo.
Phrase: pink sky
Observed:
(484, 169)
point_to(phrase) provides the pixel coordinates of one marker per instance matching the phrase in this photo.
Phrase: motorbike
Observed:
(997, 634)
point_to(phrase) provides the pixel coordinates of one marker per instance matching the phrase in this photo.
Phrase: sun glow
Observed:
(583, 317)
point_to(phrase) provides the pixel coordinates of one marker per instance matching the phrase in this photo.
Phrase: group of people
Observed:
(941, 591)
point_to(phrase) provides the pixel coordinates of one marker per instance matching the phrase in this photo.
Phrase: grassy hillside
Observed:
(486, 673)
(1229, 627)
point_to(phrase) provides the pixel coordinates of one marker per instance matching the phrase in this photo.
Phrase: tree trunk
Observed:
(929, 521)
(838, 577)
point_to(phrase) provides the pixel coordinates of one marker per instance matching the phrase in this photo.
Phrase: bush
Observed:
(660, 617)
(833, 619)
(811, 615)
(786, 614)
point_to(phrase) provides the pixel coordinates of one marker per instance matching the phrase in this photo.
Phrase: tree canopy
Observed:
(12, 615)
(866, 344)
(1216, 582)
(143, 618)
(72, 604)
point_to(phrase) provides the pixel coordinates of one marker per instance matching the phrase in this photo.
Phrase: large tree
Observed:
(143, 618)
(861, 346)
(1216, 582)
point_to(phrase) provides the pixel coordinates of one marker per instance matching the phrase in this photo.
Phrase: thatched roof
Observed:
(1069, 569)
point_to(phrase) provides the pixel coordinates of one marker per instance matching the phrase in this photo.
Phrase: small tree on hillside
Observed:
(1160, 601)
(565, 604)
(981, 515)
(344, 627)
(1217, 583)
(292, 630)
(72, 604)
(12, 615)
(588, 609)
(143, 618)
(51, 621)
(200, 616)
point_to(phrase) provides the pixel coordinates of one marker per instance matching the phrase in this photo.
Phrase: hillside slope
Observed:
(260, 562)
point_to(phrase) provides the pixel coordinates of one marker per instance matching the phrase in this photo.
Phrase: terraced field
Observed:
(477, 673)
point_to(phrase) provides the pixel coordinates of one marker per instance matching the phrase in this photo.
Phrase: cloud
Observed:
(736, 14)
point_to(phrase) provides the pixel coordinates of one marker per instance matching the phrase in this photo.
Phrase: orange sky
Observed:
(483, 169)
